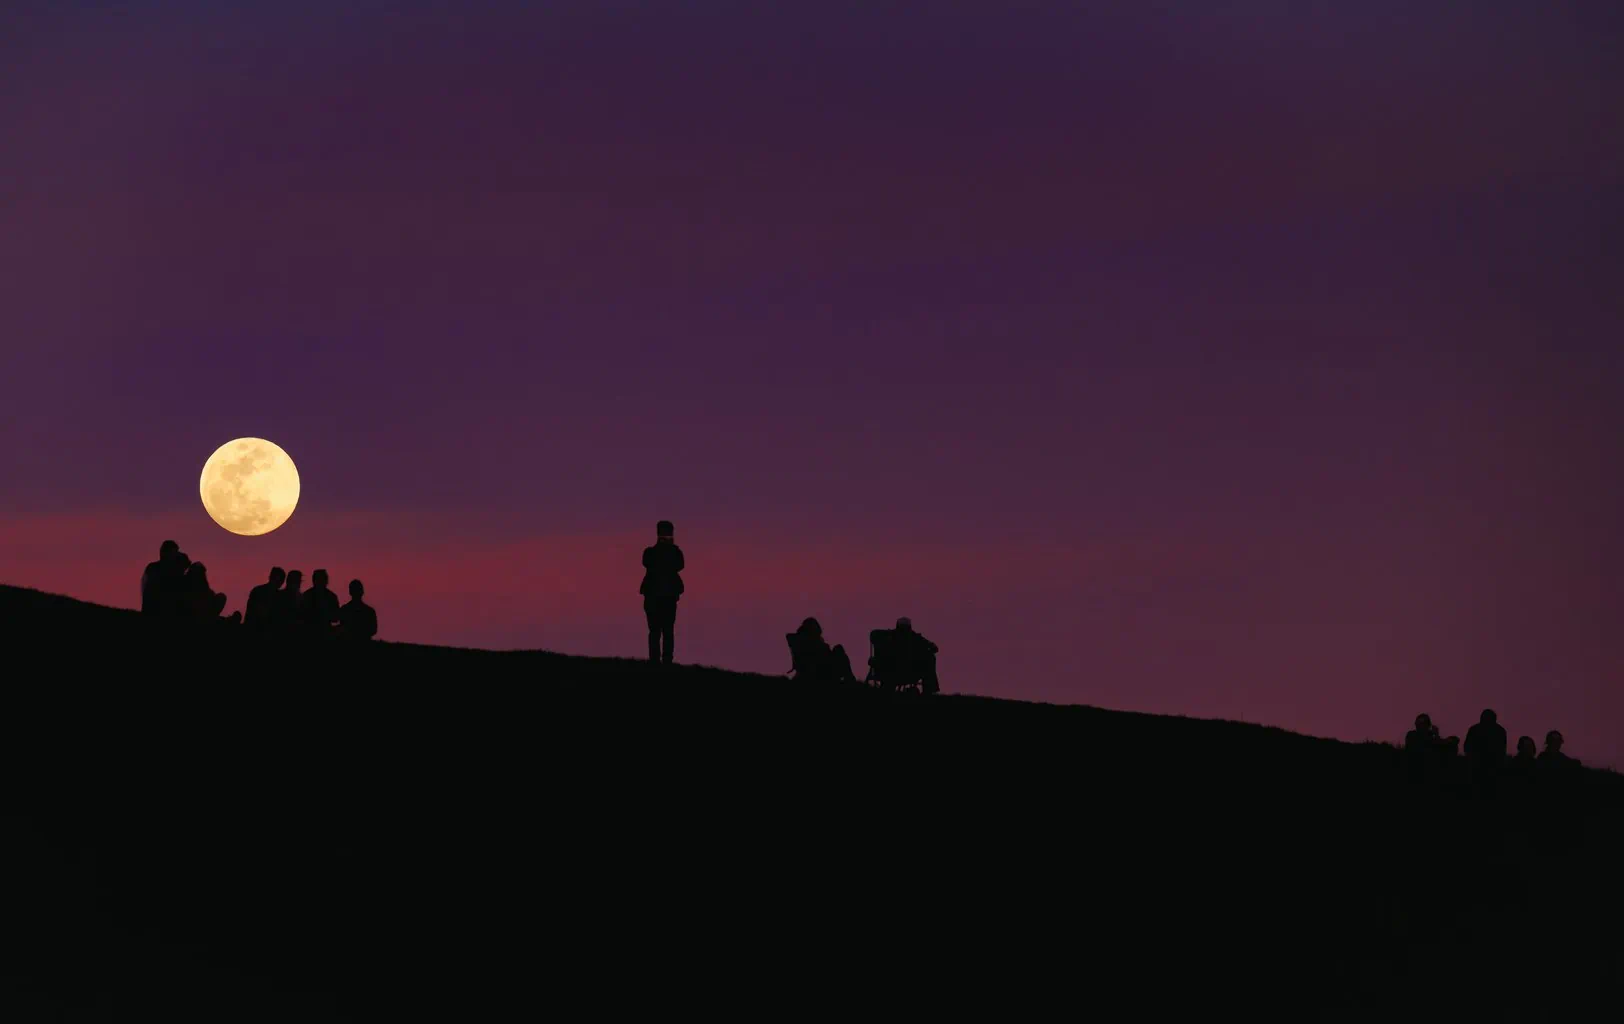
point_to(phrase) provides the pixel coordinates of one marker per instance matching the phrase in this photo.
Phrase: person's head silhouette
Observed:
(295, 579)
(811, 627)
(167, 549)
(1423, 722)
(318, 579)
(905, 625)
(1553, 742)
(182, 561)
(277, 576)
(198, 571)
(1525, 746)
(1488, 717)
(664, 531)
(356, 589)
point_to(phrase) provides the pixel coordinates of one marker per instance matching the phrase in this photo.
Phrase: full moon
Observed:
(249, 486)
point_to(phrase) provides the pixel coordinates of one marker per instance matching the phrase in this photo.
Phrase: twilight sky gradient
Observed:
(1253, 359)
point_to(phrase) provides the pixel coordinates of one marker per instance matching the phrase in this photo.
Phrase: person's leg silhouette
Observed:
(661, 613)
(653, 616)
(668, 634)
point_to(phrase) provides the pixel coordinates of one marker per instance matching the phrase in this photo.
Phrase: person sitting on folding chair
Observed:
(900, 659)
(921, 654)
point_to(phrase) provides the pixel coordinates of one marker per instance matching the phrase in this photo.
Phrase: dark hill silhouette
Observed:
(205, 827)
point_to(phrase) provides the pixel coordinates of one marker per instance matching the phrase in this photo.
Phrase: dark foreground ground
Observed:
(200, 828)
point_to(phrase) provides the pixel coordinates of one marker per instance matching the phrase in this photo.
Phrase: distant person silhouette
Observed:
(160, 581)
(259, 612)
(318, 608)
(812, 658)
(1551, 759)
(1485, 747)
(287, 601)
(921, 652)
(661, 589)
(1425, 737)
(1522, 766)
(1424, 749)
(357, 620)
(199, 600)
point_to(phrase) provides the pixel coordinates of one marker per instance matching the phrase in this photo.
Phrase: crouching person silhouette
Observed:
(661, 589)
(201, 603)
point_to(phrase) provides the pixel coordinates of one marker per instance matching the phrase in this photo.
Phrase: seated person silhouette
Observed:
(318, 606)
(1425, 749)
(199, 601)
(357, 620)
(1425, 737)
(812, 658)
(287, 602)
(902, 658)
(161, 581)
(923, 653)
(259, 612)
(1551, 759)
(177, 602)
(1522, 766)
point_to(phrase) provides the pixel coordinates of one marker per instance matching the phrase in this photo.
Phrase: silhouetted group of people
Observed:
(175, 588)
(280, 605)
(899, 659)
(1428, 752)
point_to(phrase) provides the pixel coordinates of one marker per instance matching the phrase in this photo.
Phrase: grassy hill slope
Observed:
(213, 828)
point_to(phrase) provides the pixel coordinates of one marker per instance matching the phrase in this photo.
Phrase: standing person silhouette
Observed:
(662, 586)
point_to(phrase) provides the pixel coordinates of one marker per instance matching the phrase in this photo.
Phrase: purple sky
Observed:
(1256, 359)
